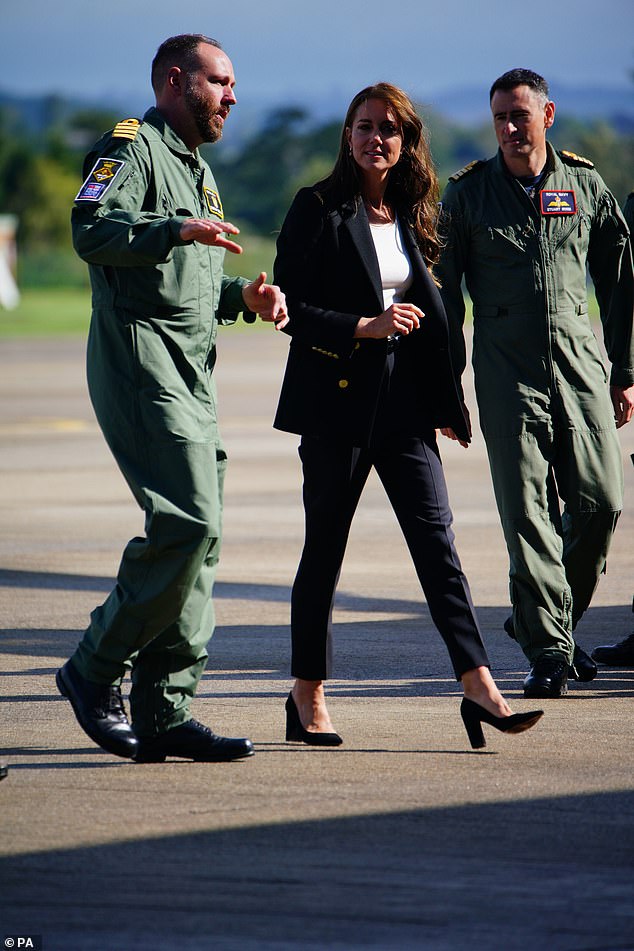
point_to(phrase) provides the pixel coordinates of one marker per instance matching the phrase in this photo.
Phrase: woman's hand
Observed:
(450, 434)
(397, 319)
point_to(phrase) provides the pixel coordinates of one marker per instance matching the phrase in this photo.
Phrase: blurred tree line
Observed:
(41, 174)
(258, 184)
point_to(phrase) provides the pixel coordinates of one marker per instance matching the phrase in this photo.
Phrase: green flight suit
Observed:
(156, 304)
(541, 386)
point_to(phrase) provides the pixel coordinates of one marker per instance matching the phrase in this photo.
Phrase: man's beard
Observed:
(206, 118)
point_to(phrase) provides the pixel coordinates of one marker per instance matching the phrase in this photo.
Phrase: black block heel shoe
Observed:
(473, 716)
(296, 733)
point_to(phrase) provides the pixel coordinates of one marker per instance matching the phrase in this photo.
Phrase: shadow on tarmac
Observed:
(260, 653)
(501, 875)
(532, 873)
(243, 591)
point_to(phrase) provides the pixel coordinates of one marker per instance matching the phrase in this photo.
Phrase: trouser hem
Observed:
(162, 726)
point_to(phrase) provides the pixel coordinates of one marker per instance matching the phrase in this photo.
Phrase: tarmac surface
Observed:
(403, 838)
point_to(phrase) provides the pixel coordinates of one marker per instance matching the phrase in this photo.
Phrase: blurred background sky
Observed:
(318, 54)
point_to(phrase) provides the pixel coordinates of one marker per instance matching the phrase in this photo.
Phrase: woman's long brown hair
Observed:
(412, 187)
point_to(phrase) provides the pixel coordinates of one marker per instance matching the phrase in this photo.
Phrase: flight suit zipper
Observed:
(544, 257)
(537, 221)
(198, 174)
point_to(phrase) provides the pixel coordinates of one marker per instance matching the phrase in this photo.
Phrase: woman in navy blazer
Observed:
(368, 380)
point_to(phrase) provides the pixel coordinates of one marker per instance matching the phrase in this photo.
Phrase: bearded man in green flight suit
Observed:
(148, 220)
(521, 228)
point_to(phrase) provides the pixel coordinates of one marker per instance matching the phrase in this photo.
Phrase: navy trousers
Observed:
(410, 470)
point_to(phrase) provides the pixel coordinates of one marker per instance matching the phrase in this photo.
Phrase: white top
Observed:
(394, 263)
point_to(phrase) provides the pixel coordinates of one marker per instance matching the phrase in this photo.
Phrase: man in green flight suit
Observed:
(148, 220)
(521, 228)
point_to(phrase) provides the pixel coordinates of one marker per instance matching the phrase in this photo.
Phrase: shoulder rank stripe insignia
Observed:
(213, 203)
(103, 174)
(573, 159)
(471, 167)
(127, 129)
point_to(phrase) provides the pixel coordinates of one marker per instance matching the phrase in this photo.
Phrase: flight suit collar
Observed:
(552, 161)
(154, 118)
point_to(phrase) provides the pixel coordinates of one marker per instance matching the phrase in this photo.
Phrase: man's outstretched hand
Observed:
(206, 231)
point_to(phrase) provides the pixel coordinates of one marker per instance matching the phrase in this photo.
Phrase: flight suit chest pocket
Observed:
(574, 230)
(500, 239)
(168, 205)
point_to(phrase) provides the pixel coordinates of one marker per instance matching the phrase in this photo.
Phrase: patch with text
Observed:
(557, 202)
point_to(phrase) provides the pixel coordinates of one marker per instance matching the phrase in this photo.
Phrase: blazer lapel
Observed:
(415, 257)
(358, 227)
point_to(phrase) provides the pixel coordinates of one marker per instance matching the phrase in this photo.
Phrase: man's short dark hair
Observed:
(521, 77)
(178, 51)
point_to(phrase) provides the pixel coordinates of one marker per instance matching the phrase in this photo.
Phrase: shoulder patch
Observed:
(103, 174)
(126, 129)
(571, 158)
(471, 167)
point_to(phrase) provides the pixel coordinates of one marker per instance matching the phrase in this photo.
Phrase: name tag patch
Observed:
(213, 203)
(100, 179)
(557, 202)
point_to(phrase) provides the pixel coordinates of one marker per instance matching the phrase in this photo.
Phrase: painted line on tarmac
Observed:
(37, 426)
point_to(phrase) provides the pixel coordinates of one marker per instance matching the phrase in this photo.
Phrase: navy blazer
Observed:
(327, 266)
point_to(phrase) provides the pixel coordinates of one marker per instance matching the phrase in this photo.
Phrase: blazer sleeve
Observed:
(301, 269)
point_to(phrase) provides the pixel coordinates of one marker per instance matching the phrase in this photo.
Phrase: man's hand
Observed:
(623, 403)
(267, 300)
(206, 231)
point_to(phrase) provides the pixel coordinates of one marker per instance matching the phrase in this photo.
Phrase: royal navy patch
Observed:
(103, 174)
(213, 203)
(471, 167)
(557, 202)
(126, 129)
(573, 159)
